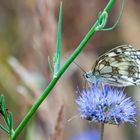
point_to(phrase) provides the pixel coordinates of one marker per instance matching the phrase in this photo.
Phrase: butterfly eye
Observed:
(86, 75)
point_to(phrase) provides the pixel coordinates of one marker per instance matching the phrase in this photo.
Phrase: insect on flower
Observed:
(118, 67)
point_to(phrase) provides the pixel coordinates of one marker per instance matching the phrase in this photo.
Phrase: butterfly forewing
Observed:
(119, 67)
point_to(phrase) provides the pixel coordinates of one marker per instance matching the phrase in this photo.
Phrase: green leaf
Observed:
(11, 121)
(50, 66)
(57, 56)
(0, 99)
(3, 105)
(3, 111)
(4, 129)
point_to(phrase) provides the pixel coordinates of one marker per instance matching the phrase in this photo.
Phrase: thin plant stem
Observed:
(59, 74)
(102, 131)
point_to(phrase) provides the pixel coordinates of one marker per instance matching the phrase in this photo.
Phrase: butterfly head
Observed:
(90, 77)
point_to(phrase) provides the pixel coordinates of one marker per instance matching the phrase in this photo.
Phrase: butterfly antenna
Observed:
(79, 66)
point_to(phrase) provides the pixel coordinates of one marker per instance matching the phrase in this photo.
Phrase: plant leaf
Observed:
(11, 121)
(4, 129)
(57, 56)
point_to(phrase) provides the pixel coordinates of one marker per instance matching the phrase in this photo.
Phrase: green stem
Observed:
(109, 6)
(59, 74)
(102, 132)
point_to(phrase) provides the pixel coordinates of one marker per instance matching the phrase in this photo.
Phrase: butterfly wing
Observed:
(119, 67)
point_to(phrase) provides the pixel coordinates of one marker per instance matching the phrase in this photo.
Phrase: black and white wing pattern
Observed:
(119, 67)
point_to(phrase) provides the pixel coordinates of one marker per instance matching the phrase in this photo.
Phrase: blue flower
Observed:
(87, 135)
(107, 105)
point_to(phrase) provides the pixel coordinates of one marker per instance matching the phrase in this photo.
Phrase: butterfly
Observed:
(119, 67)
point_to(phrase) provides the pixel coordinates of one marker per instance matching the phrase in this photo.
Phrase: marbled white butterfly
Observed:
(118, 67)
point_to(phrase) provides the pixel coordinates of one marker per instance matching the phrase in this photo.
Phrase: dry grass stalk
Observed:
(58, 133)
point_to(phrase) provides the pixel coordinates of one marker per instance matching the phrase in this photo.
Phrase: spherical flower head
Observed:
(106, 104)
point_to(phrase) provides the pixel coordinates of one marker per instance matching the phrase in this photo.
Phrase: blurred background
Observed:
(28, 36)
